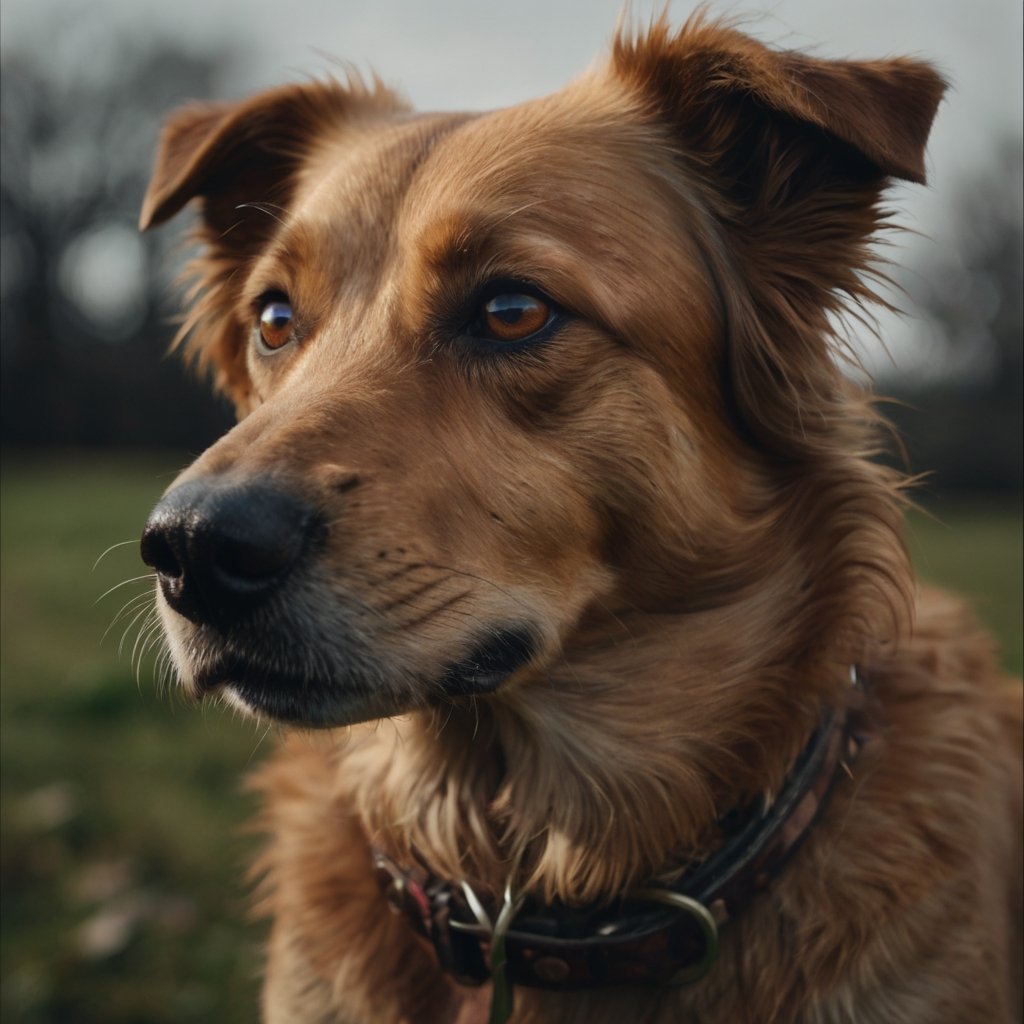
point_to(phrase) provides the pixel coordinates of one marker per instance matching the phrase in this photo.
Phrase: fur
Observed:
(677, 493)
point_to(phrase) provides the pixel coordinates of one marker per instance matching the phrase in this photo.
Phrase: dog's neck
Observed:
(615, 761)
(607, 770)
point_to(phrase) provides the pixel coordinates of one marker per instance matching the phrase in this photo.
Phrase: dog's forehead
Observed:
(562, 147)
(347, 192)
(361, 171)
(408, 170)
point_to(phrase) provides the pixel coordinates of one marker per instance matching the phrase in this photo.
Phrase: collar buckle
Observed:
(706, 925)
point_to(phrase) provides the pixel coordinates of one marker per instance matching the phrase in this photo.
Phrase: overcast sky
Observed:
(475, 54)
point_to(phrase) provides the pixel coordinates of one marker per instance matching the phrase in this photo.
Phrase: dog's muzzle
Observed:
(240, 560)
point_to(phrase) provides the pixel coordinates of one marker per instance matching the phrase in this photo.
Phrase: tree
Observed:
(85, 316)
(963, 423)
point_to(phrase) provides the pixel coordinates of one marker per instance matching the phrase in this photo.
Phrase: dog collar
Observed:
(659, 933)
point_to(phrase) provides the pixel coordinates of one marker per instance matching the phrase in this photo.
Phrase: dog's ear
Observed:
(724, 91)
(790, 155)
(186, 153)
(236, 153)
(239, 161)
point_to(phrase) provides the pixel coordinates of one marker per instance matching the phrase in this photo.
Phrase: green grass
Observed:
(975, 548)
(123, 891)
(122, 863)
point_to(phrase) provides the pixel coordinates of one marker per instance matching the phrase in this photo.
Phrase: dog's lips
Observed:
(299, 698)
(295, 698)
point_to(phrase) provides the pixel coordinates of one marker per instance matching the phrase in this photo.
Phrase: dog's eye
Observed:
(275, 325)
(513, 316)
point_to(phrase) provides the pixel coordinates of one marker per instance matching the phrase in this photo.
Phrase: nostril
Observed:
(158, 554)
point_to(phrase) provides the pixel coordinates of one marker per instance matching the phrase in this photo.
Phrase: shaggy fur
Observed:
(674, 494)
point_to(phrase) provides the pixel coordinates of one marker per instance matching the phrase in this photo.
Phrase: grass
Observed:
(122, 861)
(121, 858)
(975, 548)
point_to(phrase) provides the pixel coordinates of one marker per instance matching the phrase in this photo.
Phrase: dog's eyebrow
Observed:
(282, 255)
(468, 244)
(456, 243)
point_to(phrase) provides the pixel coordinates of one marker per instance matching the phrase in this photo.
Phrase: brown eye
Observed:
(276, 323)
(514, 317)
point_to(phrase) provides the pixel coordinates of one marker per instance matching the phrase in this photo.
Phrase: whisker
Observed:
(259, 742)
(144, 630)
(132, 604)
(262, 208)
(119, 544)
(159, 666)
(152, 637)
(124, 583)
(479, 579)
(152, 642)
(164, 669)
(127, 629)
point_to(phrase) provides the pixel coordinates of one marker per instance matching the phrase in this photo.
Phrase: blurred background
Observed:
(122, 857)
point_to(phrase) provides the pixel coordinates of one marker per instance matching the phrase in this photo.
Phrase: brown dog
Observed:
(547, 469)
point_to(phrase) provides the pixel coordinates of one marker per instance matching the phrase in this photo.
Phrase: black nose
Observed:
(221, 549)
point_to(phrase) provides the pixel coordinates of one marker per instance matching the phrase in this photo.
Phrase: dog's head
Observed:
(504, 376)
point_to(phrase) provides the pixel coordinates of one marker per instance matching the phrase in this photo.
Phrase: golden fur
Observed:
(676, 491)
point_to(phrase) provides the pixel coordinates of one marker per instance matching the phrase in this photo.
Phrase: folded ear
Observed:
(789, 154)
(244, 151)
(239, 160)
(185, 156)
(713, 83)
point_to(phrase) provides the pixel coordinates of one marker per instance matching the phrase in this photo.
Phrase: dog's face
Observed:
(502, 374)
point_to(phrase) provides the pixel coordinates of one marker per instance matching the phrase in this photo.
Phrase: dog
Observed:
(553, 529)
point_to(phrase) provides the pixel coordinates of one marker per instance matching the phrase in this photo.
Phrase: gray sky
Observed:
(473, 55)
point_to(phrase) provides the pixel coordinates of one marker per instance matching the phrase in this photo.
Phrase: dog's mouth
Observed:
(296, 696)
(322, 698)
